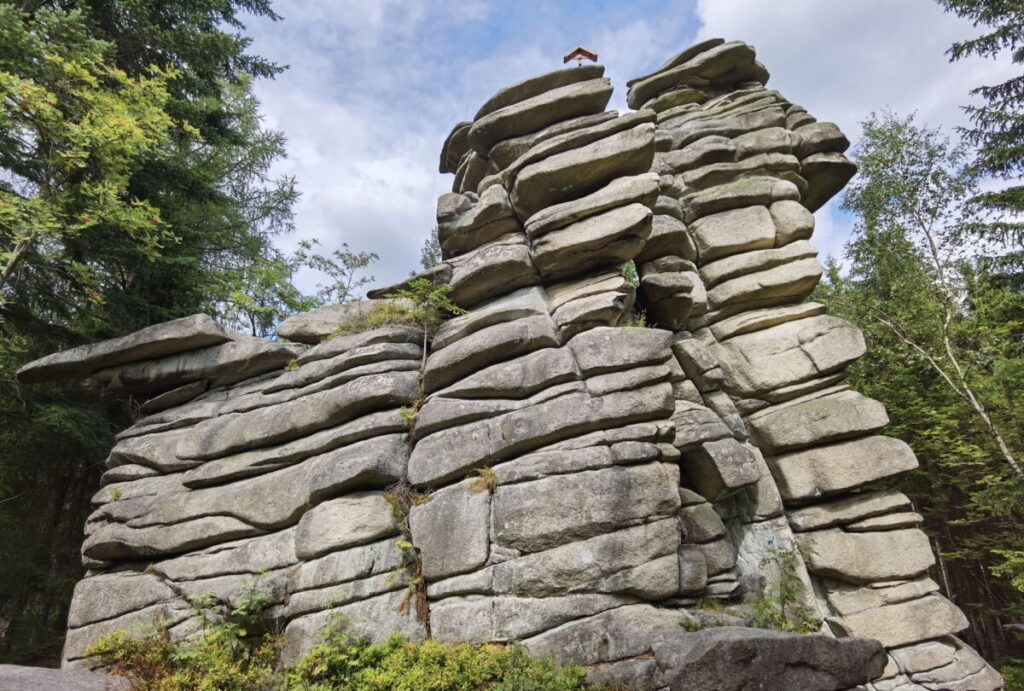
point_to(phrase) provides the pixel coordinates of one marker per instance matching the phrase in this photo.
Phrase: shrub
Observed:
(347, 663)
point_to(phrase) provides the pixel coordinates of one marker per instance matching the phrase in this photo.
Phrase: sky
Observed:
(374, 87)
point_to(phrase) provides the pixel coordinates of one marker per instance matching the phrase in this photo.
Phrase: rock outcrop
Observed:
(571, 482)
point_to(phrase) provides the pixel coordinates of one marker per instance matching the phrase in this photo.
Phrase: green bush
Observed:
(224, 658)
(343, 662)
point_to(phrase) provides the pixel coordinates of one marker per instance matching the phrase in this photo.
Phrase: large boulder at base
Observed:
(727, 658)
(17, 678)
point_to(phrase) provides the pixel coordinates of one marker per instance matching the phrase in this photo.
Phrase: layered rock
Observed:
(571, 482)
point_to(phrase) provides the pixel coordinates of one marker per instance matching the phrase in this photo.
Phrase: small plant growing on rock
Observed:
(485, 481)
(431, 305)
(776, 605)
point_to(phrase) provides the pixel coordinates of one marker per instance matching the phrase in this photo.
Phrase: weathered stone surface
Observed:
(729, 232)
(789, 282)
(316, 325)
(700, 523)
(455, 146)
(116, 541)
(491, 270)
(532, 114)
(266, 426)
(112, 595)
(622, 191)
(757, 260)
(788, 353)
(832, 417)
(621, 633)
(740, 194)
(605, 240)
(223, 364)
(755, 320)
(845, 598)
(531, 517)
(578, 172)
(375, 618)
(506, 618)
(266, 459)
(525, 302)
(792, 221)
(452, 530)
(733, 57)
(445, 454)
(136, 623)
(834, 468)
(159, 340)
(891, 521)
(174, 397)
(695, 424)
(669, 236)
(487, 219)
(826, 174)
(627, 562)
(516, 378)
(343, 344)
(709, 659)
(17, 678)
(717, 469)
(498, 342)
(847, 510)
(535, 86)
(345, 522)
(908, 622)
(609, 349)
(376, 558)
(854, 557)
(252, 556)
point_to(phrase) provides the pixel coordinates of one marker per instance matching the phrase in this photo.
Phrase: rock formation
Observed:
(579, 485)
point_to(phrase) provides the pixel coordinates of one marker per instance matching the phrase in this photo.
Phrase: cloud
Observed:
(374, 87)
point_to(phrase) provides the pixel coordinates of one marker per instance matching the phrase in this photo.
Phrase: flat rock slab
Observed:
(18, 678)
(316, 325)
(180, 335)
(729, 657)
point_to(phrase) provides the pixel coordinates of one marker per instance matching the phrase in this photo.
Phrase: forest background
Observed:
(138, 184)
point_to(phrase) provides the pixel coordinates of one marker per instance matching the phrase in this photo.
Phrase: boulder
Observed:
(826, 174)
(226, 363)
(790, 282)
(623, 191)
(817, 420)
(535, 86)
(477, 223)
(17, 678)
(534, 113)
(734, 57)
(907, 622)
(606, 240)
(313, 327)
(729, 232)
(717, 469)
(866, 557)
(578, 172)
(825, 470)
(451, 531)
(534, 516)
(788, 353)
(159, 340)
(710, 659)
(847, 510)
(344, 522)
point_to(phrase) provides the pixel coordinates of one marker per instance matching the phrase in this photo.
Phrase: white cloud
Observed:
(374, 87)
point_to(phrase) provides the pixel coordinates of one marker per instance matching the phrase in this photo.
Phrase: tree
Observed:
(72, 129)
(997, 125)
(217, 210)
(430, 253)
(341, 266)
(944, 329)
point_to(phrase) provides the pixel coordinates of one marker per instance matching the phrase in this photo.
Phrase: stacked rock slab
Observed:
(571, 482)
(740, 170)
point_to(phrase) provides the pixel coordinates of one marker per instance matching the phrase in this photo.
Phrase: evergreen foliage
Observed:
(945, 331)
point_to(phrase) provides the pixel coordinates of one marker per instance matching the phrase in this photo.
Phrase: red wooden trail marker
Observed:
(580, 54)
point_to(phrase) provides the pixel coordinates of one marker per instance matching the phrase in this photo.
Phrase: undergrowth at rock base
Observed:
(777, 602)
(223, 658)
